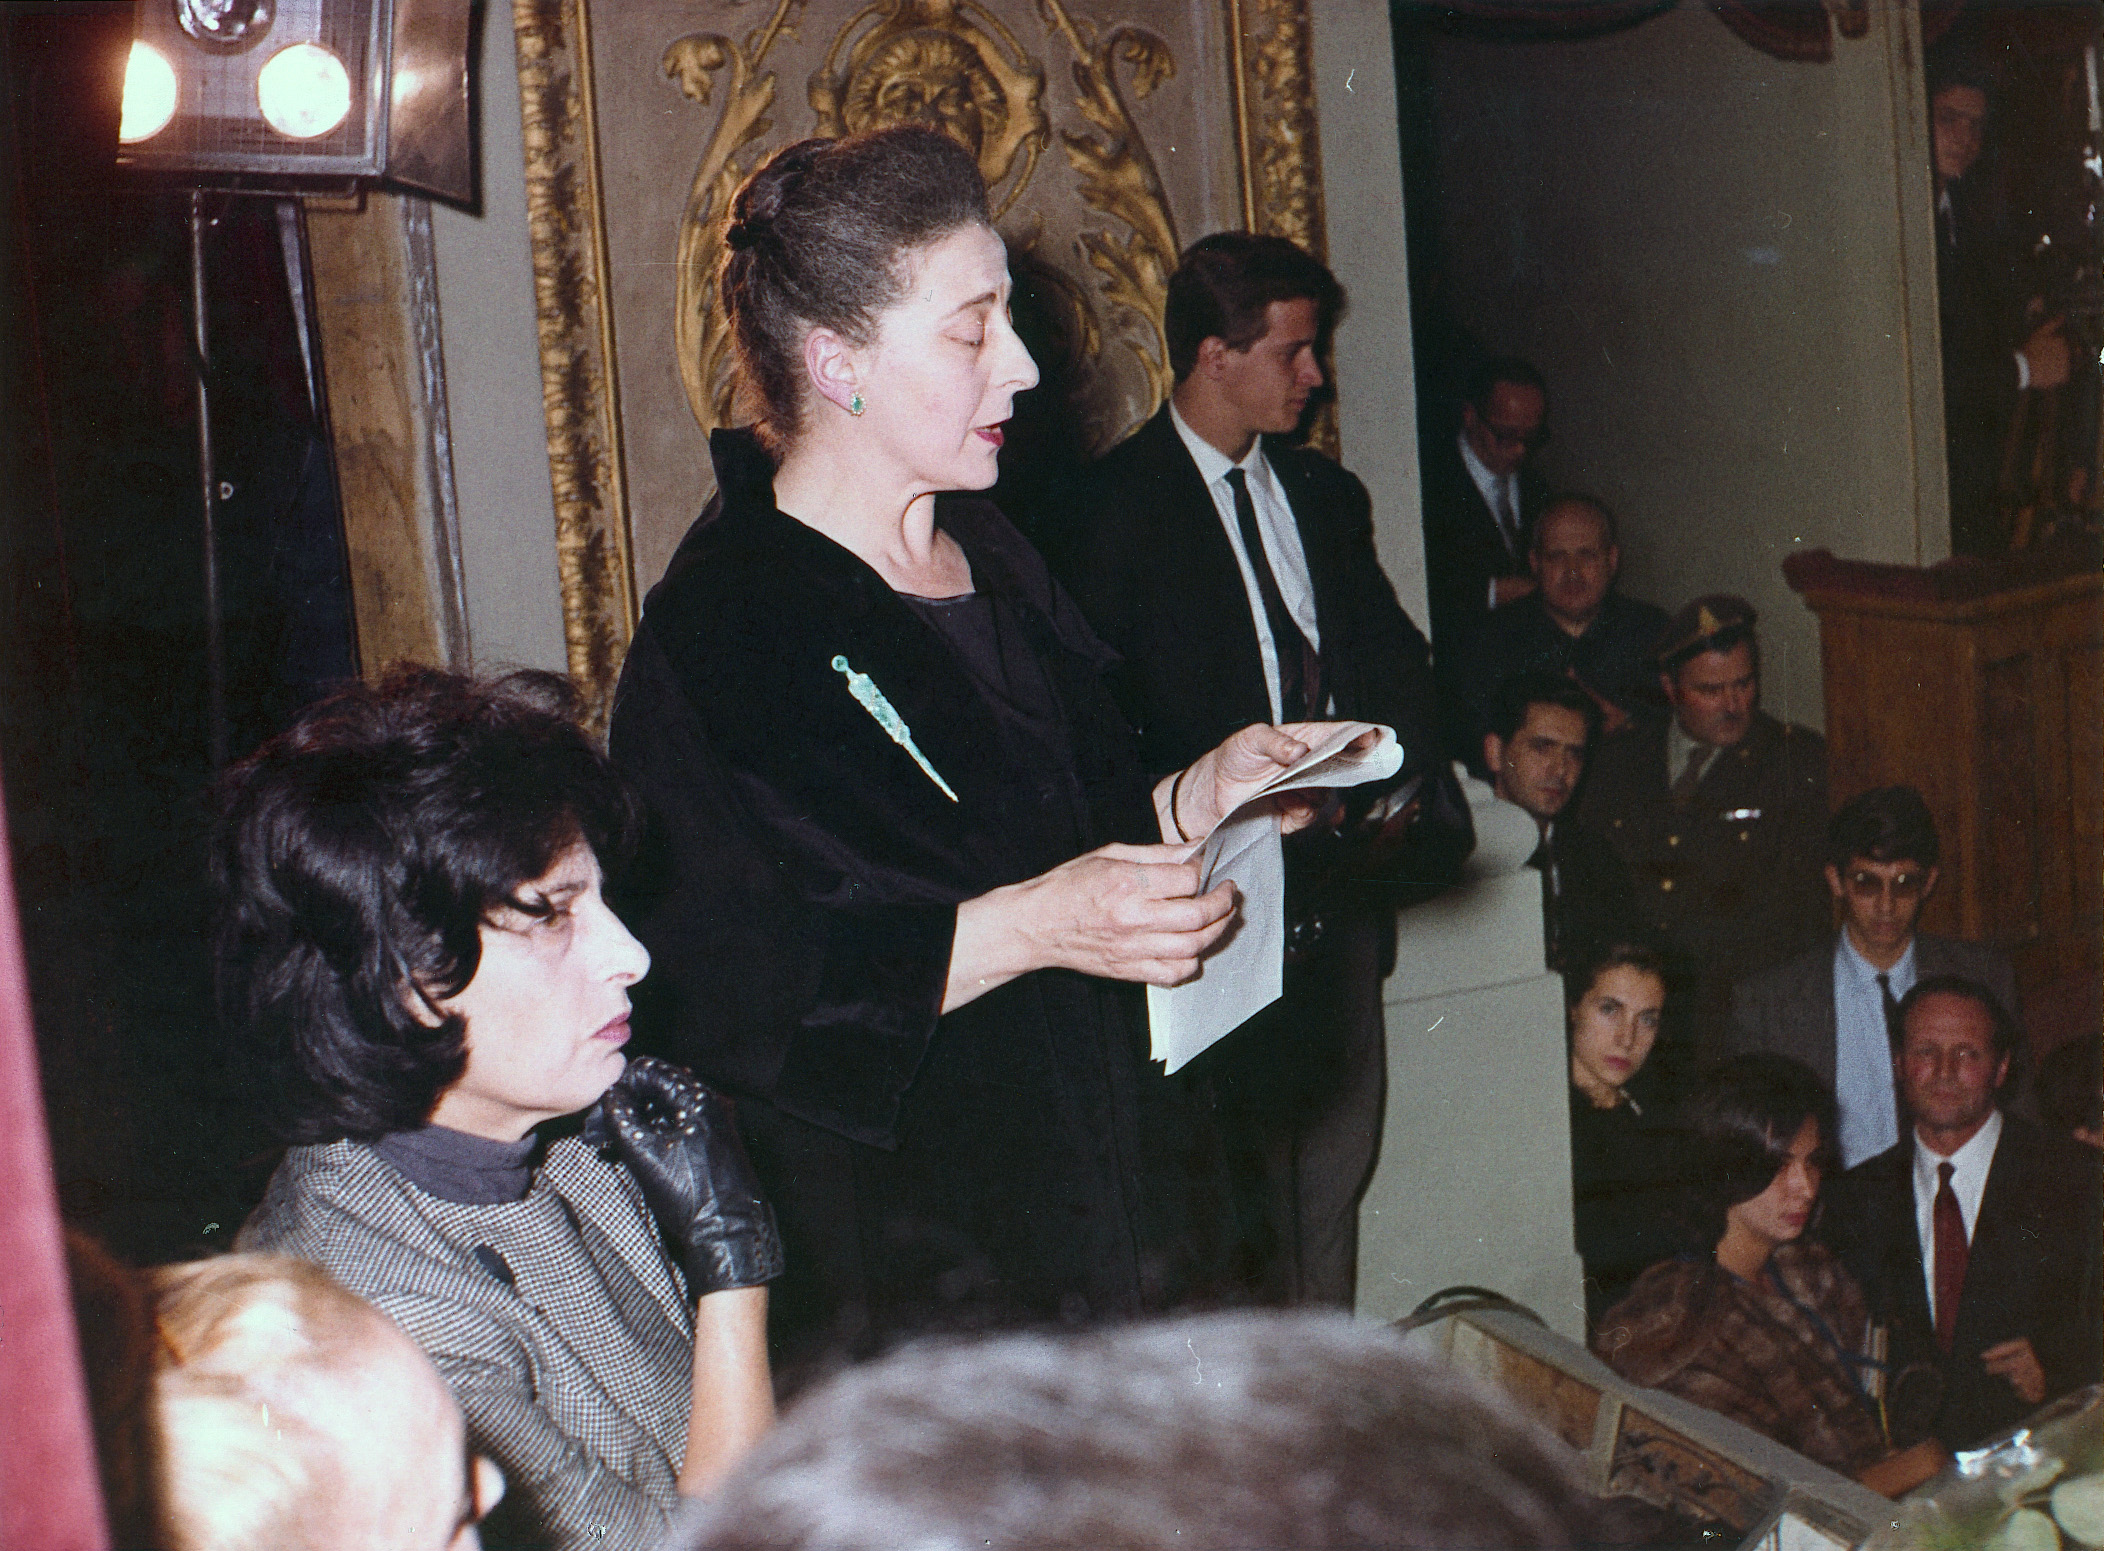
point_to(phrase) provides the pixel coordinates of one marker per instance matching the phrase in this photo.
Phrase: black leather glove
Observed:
(680, 1141)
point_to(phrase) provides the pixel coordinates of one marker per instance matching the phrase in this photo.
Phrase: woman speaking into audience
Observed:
(1767, 1327)
(890, 790)
(412, 934)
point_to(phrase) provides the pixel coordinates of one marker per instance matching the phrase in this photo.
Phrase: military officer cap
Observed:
(1716, 622)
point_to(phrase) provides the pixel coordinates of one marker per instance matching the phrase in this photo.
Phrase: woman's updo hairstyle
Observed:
(815, 241)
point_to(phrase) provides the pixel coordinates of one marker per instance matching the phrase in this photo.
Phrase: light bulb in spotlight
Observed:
(149, 95)
(303, 91)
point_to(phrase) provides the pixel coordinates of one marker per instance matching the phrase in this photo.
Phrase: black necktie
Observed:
(1299, 669)
(1891, 1010)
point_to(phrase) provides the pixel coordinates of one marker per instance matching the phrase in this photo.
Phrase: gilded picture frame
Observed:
(1095, 134)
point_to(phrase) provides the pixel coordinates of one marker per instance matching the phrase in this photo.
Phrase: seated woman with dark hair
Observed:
(1764, 1327)
(1624, 1172)
(412, 934)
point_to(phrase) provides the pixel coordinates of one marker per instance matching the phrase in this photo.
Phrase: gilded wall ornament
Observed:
(949, 64)
(565, 219)
(1271, 71)
(1272, 66)
(1119, 178)
(700, 332)
(960, 64)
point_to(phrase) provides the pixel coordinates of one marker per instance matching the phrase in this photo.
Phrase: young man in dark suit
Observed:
(1976, 1237)
(1235, 574)
(1541, 726)
(1480, 502)
(1830, 1007)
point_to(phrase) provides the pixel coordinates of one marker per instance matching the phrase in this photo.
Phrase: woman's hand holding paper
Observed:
(1221, 780)
(1123, 912)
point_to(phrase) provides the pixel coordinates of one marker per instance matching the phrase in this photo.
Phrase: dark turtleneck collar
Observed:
(466, 1170)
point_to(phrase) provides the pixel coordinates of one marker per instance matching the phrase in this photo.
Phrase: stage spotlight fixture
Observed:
(294, 96)
(303, 91)
(149, 95)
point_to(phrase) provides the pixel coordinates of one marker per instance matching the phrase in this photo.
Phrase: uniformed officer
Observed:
(1718, 812)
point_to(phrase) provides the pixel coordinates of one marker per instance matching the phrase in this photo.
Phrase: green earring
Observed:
(855, 405)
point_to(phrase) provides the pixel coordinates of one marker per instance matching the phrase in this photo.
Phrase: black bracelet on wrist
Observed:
(1175, 823)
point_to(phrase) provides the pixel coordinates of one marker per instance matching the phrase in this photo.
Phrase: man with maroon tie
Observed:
(1976, 1237)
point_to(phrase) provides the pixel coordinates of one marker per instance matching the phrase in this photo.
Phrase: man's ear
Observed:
(1671, 686)
(1212, 355)
(833, 366)
(1833, 881)
(1614, 563)
(1493, 755)
(1928, 883)
(1534, 561)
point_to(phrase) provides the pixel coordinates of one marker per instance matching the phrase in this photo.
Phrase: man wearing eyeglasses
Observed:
(1480, 502)
(1831, 1007)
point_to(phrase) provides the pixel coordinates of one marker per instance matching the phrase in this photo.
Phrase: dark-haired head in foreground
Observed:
(359, 855)
(1743, 1123)
(1239, 1430)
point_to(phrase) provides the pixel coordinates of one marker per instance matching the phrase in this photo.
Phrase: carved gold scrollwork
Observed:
(1271, 70)
(1272, 61)
(949, 64)
(565, 216)
(1119, 178)
(700, 331)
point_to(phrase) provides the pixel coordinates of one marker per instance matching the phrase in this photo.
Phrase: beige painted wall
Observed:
(493, 389)
(1707, 253)
(1363, 184)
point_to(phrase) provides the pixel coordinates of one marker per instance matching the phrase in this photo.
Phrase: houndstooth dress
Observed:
(560, 1325)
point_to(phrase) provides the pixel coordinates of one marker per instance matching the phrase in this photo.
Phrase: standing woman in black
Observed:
(910, 873)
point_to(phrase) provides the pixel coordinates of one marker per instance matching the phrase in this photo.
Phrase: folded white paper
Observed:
(1241, 976)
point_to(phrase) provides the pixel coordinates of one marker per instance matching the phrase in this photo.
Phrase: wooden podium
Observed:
(1982, 684)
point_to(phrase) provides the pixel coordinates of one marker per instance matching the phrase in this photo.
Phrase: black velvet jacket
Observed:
(807, 873)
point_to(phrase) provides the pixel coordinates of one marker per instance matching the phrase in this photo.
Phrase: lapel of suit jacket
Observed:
(1225, 617)
(1297, 479)
(1993, 1259)
(1905, 1259)
(1812, 1011)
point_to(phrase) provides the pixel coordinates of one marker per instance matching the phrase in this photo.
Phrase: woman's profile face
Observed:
(547, 1011)
(1779, 1214)
(1613, 1028)
(942, 376)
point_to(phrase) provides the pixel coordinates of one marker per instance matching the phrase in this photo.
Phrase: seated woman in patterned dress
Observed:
(1765, 1327)
(413, 938)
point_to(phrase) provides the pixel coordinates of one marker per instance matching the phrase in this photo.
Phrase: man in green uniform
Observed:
(1719, 812)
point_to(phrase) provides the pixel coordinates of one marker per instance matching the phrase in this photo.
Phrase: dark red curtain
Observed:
(49, 1495)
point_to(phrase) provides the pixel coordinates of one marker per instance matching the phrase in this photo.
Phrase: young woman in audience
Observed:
(413, 938)
(892, 783)
(1623, 1175)
(1764, 1326)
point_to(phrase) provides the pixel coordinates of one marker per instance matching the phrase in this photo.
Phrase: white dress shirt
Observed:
(1488, 485)
(1863, 1053)
(1969, 1166)
(1282, 548)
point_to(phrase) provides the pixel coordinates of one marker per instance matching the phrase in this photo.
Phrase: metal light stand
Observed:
(215, 638)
